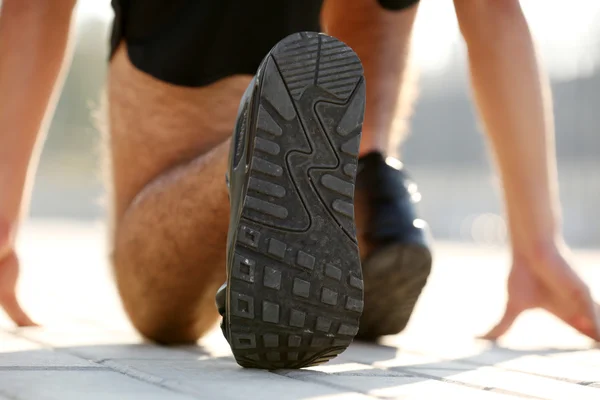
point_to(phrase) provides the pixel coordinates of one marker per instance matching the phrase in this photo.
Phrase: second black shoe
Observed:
(294, 291)
(395, 245)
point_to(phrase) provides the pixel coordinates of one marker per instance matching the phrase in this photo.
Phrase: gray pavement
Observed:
(85, 348)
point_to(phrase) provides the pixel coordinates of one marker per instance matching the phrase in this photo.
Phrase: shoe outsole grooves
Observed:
(295, 287)
(394, 278)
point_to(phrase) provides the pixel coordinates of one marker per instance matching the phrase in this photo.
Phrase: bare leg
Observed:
(381, 38)
(169, 155)
(171, 204)
(396, 269)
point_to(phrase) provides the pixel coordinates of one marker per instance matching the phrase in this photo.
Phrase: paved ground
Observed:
(87, 350)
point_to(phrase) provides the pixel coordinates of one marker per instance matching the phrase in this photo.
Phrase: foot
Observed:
(294, 291)
(394, 245)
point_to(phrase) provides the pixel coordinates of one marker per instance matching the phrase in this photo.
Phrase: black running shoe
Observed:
(294, 291)
(398, 262)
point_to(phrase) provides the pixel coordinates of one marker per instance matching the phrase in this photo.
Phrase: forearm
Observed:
(513, 99)
(33, 42)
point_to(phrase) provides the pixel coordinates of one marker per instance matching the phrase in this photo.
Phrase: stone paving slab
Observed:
(388, 384)
(86, 349)
(81, 384)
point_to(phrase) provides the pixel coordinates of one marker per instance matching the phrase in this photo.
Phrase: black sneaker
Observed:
(294, 291)
(398, 262)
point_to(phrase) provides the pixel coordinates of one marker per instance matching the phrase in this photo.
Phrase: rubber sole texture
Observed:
(394, 277)
(295, 287)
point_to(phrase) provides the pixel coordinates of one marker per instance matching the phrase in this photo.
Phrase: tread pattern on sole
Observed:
(295, 287)
(394, 277)
(321, 61)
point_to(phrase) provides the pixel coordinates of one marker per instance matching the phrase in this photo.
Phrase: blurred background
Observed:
(445, 152)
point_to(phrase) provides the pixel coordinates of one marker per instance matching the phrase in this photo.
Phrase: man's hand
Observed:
(547, 281)
(9, 272)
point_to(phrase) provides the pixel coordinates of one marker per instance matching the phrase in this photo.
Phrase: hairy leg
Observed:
(169, 153)
(168, 163)
(381, 38)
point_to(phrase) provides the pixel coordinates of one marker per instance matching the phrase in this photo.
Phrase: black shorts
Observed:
(196, 42)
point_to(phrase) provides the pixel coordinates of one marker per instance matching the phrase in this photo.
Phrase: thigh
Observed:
(178, 69)
(154, 126)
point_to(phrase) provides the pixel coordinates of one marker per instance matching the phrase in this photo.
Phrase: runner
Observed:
(177, 73)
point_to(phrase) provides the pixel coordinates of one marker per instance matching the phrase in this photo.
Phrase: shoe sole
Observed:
(295, 288)
(394, 278)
